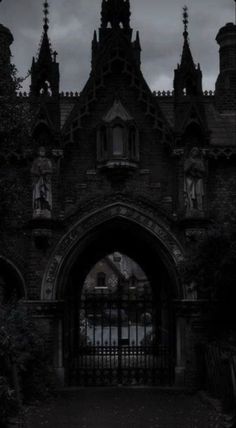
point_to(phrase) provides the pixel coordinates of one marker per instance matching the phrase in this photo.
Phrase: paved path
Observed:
(122, 408)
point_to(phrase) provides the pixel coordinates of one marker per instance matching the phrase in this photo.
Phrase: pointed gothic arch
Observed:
(76, 240)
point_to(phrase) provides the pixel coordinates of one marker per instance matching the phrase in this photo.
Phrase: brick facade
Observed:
(145, 199)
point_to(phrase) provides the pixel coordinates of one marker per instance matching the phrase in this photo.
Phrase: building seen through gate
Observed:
(123, 330)
(117, 186)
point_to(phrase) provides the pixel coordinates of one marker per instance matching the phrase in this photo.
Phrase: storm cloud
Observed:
(159, 22)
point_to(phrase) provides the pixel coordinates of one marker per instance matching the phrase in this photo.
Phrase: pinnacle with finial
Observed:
(46, 13)
(185, 21)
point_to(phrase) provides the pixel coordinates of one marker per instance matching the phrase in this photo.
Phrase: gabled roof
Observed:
(117, 111)
(117, 48)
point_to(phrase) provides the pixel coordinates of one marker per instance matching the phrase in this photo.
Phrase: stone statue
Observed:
(42, 188)
(194, 170)
(192, 291)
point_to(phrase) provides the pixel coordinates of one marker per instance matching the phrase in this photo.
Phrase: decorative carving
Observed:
(42, 190)
(224, 152)
(195, 170)
(117, 110)
(195, 234)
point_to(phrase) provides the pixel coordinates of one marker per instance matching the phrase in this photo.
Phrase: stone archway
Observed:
(66, 248)
(118, 226)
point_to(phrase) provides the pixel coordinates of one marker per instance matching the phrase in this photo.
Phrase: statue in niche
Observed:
(194, 170)
(42, 188)
(192, 291)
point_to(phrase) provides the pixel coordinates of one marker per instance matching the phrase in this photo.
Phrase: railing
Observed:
(128, 365)
(67, 94)
(221, 375)
(171, 93)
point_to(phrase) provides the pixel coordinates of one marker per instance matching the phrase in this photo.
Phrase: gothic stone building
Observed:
(118, 168)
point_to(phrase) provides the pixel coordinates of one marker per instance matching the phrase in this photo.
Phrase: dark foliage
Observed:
(212, 267)
(24, 371)
(15, 142)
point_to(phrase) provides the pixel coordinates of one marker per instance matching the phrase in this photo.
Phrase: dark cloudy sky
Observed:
(72, 23)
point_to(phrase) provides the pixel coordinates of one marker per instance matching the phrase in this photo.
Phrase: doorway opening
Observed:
(121, 331)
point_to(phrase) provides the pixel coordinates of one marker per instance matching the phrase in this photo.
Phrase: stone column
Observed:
(58, 352)
(180, 351)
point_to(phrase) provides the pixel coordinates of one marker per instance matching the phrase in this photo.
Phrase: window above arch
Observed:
(118, 145)
(118, 137)
(117, 140)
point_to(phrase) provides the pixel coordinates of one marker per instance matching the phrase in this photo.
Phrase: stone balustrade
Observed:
(77, 94)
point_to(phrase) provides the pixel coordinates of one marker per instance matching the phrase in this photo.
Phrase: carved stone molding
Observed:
(221, 152)
(210, 152)
(86, 224)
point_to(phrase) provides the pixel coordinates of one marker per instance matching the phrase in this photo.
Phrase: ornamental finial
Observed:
(185, 21)
(46, 13)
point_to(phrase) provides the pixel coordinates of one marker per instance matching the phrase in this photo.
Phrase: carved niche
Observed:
(41, 172)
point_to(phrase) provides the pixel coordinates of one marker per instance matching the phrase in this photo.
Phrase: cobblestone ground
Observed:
(122, 408)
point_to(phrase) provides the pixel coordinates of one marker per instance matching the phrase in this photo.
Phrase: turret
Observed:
(6, 39)
(190, 118)
(45, 69)
(116, 13)
(188, 76)
(115, 17)
(226, 82)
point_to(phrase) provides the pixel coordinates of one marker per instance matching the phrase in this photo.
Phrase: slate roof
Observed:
(222, 125)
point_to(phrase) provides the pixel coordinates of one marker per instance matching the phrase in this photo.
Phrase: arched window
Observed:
(118, 140)
(117, 144)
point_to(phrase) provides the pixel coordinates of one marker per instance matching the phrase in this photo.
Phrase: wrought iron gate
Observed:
(119, 339)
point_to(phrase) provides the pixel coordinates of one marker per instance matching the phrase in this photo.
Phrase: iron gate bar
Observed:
(118, 341)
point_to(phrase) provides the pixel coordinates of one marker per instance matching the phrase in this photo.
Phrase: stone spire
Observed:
(115, 30)
(45, 69)
(186, 59)
(190, 116)
(45, 52)
(188, 77)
